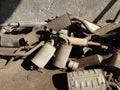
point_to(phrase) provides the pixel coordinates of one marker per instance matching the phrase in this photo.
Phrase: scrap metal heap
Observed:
(71, 43)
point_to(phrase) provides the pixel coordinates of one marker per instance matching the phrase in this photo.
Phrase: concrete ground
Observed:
(14, 76)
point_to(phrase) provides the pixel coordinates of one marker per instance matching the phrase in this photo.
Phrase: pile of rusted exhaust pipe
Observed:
(56, 38)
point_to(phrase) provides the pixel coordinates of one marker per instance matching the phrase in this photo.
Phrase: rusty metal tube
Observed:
(82, 42)
(78, 41)
(62, 55)
(10, 40)
(90, 26)
(88, 61)
(44, 55)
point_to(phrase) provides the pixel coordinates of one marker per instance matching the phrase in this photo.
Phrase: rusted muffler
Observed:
(44, 55)
(87, 61)
(62, 55)
(10, 40)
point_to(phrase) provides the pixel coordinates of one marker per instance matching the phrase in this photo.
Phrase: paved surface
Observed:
(39, 10)
(15, 77)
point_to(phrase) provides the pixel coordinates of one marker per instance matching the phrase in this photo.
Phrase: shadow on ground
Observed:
(7, 7)
(60, 81)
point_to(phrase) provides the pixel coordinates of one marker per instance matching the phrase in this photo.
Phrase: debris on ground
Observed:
(80, 48)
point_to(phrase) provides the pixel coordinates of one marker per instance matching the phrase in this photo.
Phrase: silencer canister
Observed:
(86, 61)
(62, 55)
(44, 55)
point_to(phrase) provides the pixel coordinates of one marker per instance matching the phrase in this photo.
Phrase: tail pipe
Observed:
(83, 42)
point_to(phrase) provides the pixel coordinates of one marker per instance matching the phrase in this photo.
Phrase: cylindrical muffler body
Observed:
(62, 55)
(90, 60)
(86, 61)
(44, 55)
(10, 40)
